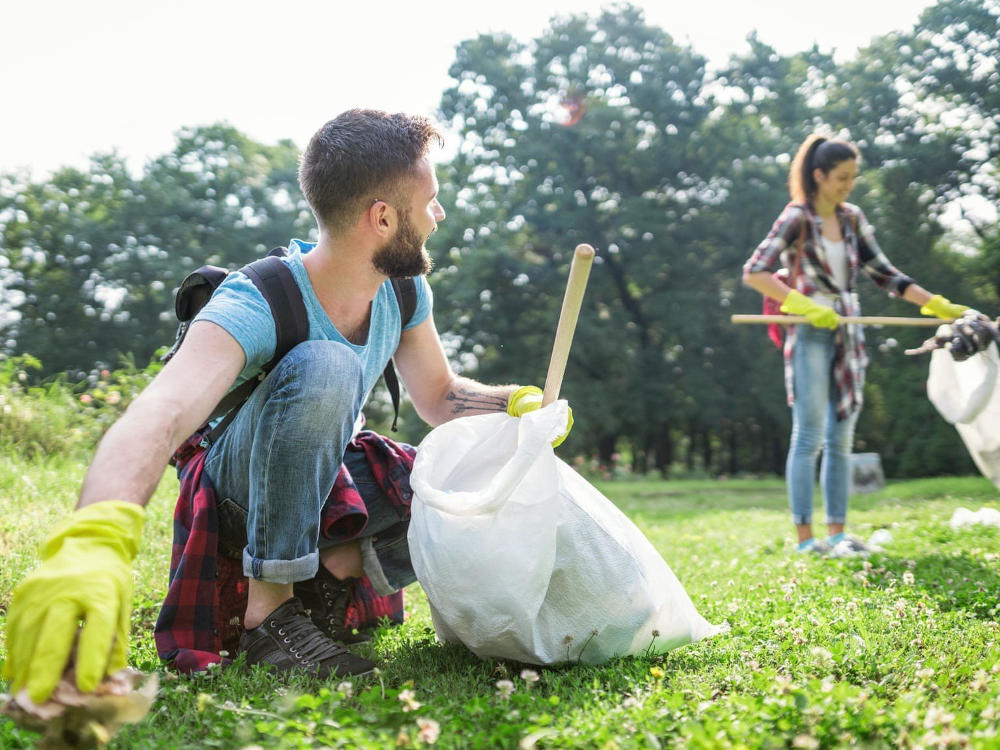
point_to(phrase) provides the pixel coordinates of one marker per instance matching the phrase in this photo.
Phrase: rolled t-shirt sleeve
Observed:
(425, 302)
(241, 310)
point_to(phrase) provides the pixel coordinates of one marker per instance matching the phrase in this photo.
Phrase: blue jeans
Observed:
(274, 466)
(815, 426)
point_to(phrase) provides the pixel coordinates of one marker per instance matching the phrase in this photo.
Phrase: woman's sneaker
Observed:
(813, 546)
(289, 640)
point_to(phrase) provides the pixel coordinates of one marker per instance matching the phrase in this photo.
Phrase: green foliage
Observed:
(897, 651)
(56, 417)
(92, 258)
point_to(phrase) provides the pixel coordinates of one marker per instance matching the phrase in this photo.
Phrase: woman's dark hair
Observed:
(816, 152)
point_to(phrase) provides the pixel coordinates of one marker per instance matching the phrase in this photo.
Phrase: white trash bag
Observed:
(967, 394)
(521, 558)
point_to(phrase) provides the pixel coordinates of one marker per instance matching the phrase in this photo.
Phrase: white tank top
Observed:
(836, 259)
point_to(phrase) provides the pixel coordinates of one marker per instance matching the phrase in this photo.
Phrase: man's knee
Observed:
(326, 371)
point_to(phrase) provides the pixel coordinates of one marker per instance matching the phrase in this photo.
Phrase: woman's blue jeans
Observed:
(275, 465)
(815, 427)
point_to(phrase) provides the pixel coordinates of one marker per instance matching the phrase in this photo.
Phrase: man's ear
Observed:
(381, 219)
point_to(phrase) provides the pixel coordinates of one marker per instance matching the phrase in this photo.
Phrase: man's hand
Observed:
(940, 307)
(797, 303)
(85, 574)
(528, 398)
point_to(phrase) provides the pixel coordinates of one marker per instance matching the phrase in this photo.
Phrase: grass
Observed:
(899, 651)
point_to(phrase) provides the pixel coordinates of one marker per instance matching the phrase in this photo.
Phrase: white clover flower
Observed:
(504, 689)
(908, 578)
(530, 676)
(430, 730)
(821, 653)
(346, 688)
(980, 680)
(925, 674)
(408, 699)
(805, 741)
(937, 716)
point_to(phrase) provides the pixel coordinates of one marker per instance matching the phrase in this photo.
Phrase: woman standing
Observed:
(816, 246)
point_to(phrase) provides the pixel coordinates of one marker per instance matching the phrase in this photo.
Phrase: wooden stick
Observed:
(576, 285)
(865, 320)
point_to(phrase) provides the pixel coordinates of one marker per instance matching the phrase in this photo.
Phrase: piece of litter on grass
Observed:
(71, 719)
(880, 538)
(984, 516)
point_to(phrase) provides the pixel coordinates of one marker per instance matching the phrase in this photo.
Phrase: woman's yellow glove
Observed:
(940, 307)
(85, 574)
(528, 398)
(797, 303)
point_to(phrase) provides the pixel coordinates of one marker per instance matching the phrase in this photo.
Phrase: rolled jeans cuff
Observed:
(841, 520)
(280, 571)
(373, 569)
(800, 520)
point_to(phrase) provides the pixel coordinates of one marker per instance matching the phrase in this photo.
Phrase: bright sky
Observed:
(82, 76)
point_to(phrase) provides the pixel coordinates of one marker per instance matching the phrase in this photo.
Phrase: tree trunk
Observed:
(663, 449)
(706, 450)
(606, 447)
(692, 438)
(734, 460)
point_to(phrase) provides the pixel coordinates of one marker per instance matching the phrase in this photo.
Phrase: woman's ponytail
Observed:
(801, 182)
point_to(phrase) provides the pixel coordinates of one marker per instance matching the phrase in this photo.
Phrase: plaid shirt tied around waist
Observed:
(778, 251)
(202, 614)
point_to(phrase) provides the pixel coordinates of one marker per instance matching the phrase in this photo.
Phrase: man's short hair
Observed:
(361, 156)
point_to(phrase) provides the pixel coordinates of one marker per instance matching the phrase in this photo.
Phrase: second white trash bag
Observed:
(521, 558)
(967, 394)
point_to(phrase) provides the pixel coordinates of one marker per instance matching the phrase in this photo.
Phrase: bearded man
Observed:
(370, 183)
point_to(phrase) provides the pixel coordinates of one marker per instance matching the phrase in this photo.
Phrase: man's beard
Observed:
(404, 255)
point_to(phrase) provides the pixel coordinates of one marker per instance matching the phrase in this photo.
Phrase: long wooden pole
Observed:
(865, 320)
(576, 285)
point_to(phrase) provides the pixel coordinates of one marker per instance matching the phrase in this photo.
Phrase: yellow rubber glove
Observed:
(940, 307)
(85, 574)
(528, 398)
(797, 303)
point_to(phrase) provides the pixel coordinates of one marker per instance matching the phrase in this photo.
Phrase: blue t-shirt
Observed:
(239, 307)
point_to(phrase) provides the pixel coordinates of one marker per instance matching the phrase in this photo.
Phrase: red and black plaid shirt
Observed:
(202, 614)
(778, 250)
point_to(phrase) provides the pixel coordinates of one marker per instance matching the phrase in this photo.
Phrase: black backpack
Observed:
(291, 325)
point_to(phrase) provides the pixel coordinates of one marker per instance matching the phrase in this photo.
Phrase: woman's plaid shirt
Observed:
(778, 251)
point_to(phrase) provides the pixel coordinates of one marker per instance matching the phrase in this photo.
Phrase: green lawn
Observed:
(902, 650)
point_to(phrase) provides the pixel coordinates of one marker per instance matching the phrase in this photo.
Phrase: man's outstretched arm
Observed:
(131, 457)
(86, 562)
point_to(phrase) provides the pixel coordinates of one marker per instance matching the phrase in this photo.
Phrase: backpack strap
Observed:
(192, 295)
(274, 280)
(406, 298)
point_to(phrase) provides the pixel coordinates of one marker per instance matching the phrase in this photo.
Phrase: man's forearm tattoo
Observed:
(468, 400)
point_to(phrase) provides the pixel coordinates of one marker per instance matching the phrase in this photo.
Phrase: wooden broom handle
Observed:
(869, 320)
(576, 285)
